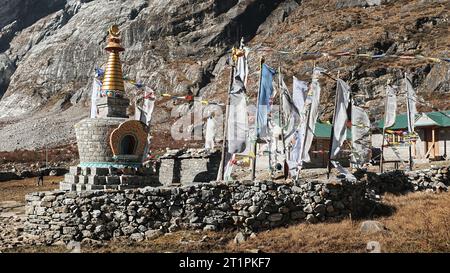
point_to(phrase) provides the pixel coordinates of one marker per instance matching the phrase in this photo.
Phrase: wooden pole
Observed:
(382, 142)
(220, 175)
(410, 123)
(433, 139)
(282, 122)
(46, 156)
(261, 62)
(382, 152)
(269, 144)
(304, 136)
(331, 138)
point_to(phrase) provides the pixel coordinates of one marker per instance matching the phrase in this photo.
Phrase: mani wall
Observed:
(248, 206)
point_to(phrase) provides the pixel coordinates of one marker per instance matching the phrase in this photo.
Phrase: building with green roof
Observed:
(433, 130)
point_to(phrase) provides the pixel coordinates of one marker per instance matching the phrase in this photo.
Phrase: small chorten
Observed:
(111, 146)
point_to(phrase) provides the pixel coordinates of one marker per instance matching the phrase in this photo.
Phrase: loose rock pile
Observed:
(12, 217)
(433, 179)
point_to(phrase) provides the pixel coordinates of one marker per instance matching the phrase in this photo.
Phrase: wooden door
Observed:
(431, 143)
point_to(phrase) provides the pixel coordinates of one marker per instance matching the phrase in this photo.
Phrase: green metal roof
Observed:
(323, 130)
(441, 118)
(401, 122)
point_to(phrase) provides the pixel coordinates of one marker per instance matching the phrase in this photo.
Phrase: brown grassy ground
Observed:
(420, 224)
(64, 153)
(16, 190)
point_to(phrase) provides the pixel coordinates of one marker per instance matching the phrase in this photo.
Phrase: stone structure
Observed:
(111, 147)
(187, 166)
(210, 206)
(249, 206)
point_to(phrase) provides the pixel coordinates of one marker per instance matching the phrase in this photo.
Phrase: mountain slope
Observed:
(47, 60)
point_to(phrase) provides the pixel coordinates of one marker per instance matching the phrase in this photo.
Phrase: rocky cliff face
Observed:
(49, 49)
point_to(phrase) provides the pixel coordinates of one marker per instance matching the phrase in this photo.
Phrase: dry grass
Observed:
(65, 153)
(421, 224)
(15, 190)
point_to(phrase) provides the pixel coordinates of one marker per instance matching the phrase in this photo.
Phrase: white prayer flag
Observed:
(300, 89)
(312, 106)
(290, 111)
(411, 103)
(237, 130)
(237, 126)
(210, 133)
(391, 107)
(360, 136)
(340, 117)
(242, 66)
(96, 86)
(144, 114)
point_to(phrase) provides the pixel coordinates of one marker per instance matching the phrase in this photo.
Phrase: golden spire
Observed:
(113, 79)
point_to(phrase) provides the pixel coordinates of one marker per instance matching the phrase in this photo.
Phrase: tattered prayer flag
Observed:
(96, 86)
(411, 103)
(295, 155)
(340, 117)
(311, 114)
(299, 93)
(265, 93)
(210, 133)
(360, 136)
(290, 112)
(144, 114)
(237, 123)
(237, 130)
(242, 67)
(391, 107)
(300, 90)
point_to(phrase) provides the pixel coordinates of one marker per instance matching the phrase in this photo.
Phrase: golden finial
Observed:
(114, 40)
(236, 53)
(113, 80)
(114, 30)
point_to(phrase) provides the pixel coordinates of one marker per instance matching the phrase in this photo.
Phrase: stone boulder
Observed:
(370, 227)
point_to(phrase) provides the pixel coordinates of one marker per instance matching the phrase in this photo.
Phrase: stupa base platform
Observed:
(98, 178)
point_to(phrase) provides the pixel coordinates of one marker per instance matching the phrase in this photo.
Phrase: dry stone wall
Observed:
(209, 206)
(245, 205)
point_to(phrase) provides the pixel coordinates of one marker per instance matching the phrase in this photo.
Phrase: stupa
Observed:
(111, 146)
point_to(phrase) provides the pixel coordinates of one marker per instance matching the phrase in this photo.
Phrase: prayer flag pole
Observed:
(410, 123)
(220, 175)
(382, 142)
(261, 62)
(304, 137)
(332, 133)
(281, 116)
